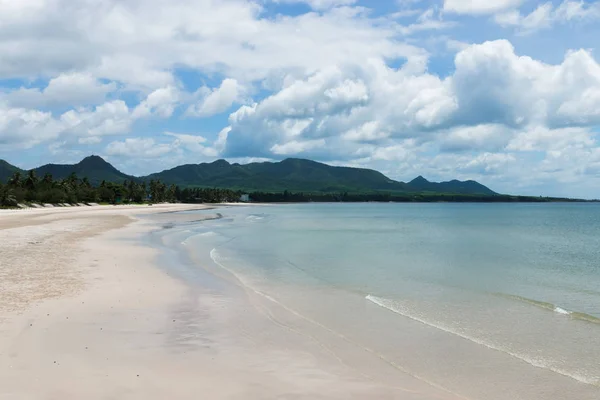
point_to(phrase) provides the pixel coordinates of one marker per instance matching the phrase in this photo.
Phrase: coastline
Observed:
(86, 311)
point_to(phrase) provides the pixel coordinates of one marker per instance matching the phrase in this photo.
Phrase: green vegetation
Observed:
(293, 174)
(292, 180)
(94, 168)
(304, 176)
(7, 170)
(266, 197)
(29, 188)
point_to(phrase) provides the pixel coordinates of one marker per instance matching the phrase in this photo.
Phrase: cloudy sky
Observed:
(506, 92)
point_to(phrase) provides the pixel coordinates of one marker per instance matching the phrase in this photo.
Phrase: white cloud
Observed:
(90, 140)
(543, 139)
(492, 93)
(485, 137)
(193, 143)
(369, 131)
(478, 7)
(66, 90)
(217, 100)
(487, 163)
(161, 102)
(139, 43)
(24, 128)
(546, 15)
(494, 85)
(181, 147)
(320, 4)
(138, 147)
(297, 147)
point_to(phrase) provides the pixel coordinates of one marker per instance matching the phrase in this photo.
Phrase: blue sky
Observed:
(506, 92)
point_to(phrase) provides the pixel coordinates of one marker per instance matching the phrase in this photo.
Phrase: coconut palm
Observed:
(7, 197)
(15, 181)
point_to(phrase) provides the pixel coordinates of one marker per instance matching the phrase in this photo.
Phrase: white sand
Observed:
(85, 313)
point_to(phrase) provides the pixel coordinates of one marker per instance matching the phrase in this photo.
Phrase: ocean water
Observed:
(488, 301)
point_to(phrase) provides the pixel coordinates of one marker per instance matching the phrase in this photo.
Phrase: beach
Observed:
(91, 309)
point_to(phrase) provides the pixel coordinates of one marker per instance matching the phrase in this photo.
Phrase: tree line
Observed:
(30, 188)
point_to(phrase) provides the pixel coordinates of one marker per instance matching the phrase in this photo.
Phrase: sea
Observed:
(487, 301)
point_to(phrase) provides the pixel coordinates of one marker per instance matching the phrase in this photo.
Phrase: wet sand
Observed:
(89, 310)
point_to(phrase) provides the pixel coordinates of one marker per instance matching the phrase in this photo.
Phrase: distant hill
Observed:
(7, 170)
(92, 167)
(292, 174)
(421, 184)
(304, 175)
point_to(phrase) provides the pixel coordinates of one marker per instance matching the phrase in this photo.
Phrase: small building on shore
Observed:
(245, 198)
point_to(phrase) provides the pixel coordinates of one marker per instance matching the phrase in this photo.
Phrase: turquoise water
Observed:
(514, 286)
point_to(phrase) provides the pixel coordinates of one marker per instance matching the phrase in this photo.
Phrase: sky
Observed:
(505, 92)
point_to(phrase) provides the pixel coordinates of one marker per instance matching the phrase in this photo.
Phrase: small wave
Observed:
(257, 217)
(562, 311)
(552, 307)
(536, 362)
(202, 235)
(214, 255)
(207, 234)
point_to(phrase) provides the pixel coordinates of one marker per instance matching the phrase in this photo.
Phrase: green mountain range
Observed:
(295, 175)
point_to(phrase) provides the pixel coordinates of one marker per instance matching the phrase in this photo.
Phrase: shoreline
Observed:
(88, 312)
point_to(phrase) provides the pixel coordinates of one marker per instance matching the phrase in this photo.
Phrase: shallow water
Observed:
(490, 301)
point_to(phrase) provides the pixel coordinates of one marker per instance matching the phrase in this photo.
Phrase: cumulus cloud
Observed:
(66, 90)
(138, 147)
(24, 128)
(320, 4)
(493, 84)
(167, 150)
(493, 93)
(545, 15)
(356, 104)
(217, 100)
(139, 42)
(478, 7)
(161, 102)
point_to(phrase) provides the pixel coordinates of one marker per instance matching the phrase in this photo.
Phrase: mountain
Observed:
(7, 170)
(420, 184)
(92, 167)
(292, 174)
(303, 175)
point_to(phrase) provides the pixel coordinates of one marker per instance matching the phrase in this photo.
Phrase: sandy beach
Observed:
(88, 310)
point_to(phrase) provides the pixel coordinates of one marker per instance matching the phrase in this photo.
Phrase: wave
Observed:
(397, 308)
(202, 235)
(214, 255)
(209, 233)
(552, 307)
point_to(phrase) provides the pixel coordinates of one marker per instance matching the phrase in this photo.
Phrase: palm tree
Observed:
(7, 197)
(47, 180)
(31, 181)
(15, 181)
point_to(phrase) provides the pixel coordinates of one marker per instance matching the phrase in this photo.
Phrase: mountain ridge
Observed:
(94, 167)
(292, 174)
